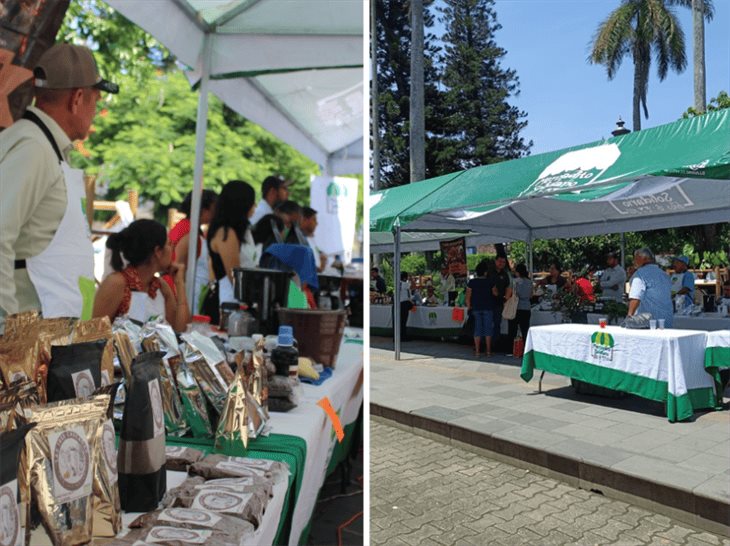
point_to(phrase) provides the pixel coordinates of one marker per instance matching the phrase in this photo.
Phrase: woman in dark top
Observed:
(481, 299)
(555, 277)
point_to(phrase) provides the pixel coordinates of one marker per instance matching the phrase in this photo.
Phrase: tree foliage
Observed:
(479, 126)
(721, 101)
(644, 31)
(463, 128)
(144, 137)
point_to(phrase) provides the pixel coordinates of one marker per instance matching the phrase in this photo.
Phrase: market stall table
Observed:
(662, 365)
(717, 358)
(427, 321)
(706, 321)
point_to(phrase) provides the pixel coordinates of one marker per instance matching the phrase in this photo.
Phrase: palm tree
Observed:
(701, 10)
(641, 29)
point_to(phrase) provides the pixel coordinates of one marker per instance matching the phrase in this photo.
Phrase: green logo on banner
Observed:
(432, 318)
(335, 193)
(602, 345)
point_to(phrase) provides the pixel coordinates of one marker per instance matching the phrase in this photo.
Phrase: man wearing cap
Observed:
(274, 191)
(613, 280)
(650, 290)
(46, 257)
(683, 281)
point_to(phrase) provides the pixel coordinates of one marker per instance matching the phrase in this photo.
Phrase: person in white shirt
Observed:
(274, 191)
(405, 304)
(447, 285)
(613, 280)
(308, 224)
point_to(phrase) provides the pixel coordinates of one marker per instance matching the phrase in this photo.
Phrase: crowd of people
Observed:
(46, 253)
(651, 291)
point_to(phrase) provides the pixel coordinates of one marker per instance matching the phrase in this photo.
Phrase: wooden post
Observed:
(90, 187)
(133, 198)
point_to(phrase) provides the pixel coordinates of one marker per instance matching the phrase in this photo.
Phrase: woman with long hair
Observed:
(135, 289)
(523, 288)
(230, 242)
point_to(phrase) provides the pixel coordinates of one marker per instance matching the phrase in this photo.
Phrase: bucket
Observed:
(318, 332)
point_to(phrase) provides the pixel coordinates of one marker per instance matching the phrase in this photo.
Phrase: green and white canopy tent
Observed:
(293, 67)
(672, 175)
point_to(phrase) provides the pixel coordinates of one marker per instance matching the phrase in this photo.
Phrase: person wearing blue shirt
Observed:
(651, 289)
(683, 281)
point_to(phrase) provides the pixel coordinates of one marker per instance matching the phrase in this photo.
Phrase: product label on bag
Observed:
(71, 462)
(83, 383)
(240, 469)
(105, 378)
(222, 501)
(10, 534)
(109, 450)
(189, 515)
(163, 535)
(158, 418)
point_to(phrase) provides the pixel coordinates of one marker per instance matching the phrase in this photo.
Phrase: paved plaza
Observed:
(426, 492)
(626, 446)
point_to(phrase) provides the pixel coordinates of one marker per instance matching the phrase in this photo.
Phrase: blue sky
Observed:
(570, 102)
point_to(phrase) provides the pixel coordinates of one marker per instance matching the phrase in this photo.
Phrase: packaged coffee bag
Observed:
(236, 529)
(195, 410)
(180, 458)
(98, 329)
(141, 460)
(11, 445)
(75, 370)
(59, 464)
(106, 476)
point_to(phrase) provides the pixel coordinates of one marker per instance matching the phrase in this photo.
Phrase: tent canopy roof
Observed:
(293, 67)
(675, 174)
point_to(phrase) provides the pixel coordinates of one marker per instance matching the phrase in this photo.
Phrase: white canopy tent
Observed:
(288, 65)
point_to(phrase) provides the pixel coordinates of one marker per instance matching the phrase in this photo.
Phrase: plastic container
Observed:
(285, 356)
(241, 322)
(200, 324)
(226, 309)
(319, 332)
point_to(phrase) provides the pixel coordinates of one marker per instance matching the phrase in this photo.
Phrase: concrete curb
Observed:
(684, 505)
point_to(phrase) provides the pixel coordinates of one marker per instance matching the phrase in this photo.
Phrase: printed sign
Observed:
(158, 418)
(573, 169)
(189, 515)
(671, 200)
(454, 256)
(10, 534)
(164, 535)
(602, 346)
(222, 501)
(335, 200)
(109, 450)
(84, 385)
(71, 462)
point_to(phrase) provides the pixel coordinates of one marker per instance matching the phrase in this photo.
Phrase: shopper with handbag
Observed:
(523, 293)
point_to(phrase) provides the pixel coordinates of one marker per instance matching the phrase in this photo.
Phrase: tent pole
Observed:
(201, 125)
(529, 253)
(396, 290)
(623, 251)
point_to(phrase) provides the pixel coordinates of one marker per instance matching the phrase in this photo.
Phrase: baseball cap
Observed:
(66, 66)
(274, 182)
(683, 259)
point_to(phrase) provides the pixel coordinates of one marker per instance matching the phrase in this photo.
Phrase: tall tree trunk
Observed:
(637, 96)
(698, 24)
(375, 107)
(417, 122)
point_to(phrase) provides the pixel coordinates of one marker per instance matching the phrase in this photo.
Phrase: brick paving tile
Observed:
(471, 499)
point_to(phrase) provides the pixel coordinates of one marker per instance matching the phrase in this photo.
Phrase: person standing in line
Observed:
(481, 300)
(651, 289)
(613, 280)
(523, 288)
(503, 284)
(46, 255)
(274, 191)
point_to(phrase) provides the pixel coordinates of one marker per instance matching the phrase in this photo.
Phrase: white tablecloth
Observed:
(440, 319)
(655, 364)
(309, 421)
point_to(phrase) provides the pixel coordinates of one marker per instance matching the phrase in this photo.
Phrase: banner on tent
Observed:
(454, 255)
(335, 200)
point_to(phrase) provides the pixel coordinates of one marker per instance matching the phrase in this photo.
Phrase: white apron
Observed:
(68, 262)
(142, 308)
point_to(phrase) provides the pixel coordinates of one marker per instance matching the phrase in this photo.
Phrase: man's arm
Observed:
(633, 306)
(23, 183)
(636, 292)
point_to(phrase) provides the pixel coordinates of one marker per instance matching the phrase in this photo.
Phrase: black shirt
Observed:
(482, 298)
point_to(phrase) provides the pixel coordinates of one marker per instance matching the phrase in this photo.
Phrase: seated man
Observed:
(651, 290)
(430, 298)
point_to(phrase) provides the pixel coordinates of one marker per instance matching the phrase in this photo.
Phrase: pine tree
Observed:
(479, 125)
